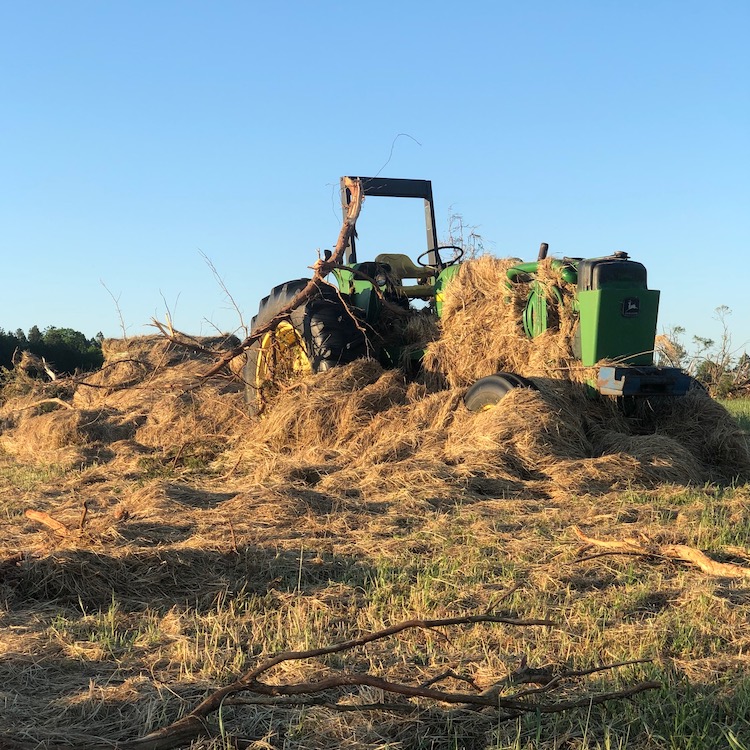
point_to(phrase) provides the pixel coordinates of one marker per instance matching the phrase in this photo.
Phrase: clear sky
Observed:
(137, 137)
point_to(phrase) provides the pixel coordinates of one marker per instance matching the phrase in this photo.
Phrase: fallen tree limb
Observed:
(46, 520)
(195, 724)
(321, 268)
(681, 552)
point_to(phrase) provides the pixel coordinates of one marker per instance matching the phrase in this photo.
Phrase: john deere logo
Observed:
(631, 306)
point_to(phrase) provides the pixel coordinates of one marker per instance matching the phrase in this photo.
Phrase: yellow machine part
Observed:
(282, 357)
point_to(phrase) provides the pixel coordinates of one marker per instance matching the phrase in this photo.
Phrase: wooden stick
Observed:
(46, 520)
(670, 551)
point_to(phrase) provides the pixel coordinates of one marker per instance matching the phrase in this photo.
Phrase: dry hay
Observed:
(136, 368)
(144, 399)
(365, 431)
(331, 408)
(706, 428)
(382, 439)
(42, 428)
(482, 331)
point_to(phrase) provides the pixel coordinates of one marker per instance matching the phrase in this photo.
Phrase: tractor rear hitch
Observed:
(643, 381)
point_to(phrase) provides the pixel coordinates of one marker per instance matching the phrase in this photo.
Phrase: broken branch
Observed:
(46, 520)
(321, 268)
(681, 552)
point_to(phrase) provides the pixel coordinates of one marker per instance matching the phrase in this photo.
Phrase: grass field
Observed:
(740, 409)
(176, 569)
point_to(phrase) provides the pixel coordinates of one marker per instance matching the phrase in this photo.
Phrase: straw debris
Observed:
(375, 431)
(199, 540)
(482, 330)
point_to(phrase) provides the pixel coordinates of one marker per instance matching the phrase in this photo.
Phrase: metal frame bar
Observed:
(389, 187)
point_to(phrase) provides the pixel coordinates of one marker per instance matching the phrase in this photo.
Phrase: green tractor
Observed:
(616, 313)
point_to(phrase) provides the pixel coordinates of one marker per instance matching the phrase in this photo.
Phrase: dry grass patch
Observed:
(199, 541)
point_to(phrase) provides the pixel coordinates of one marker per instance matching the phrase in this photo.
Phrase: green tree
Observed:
(65, 349)
(65, 337)
(35, 336)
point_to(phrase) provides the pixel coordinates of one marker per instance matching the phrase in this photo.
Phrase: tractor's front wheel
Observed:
(489, 391)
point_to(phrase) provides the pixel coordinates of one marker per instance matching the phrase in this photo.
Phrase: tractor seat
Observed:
(402, 268)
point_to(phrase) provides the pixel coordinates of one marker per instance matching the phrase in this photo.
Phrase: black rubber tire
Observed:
(489, 391)
(278, 298)
(331, 336)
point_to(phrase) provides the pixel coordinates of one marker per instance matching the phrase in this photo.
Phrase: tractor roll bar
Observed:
(394, 188)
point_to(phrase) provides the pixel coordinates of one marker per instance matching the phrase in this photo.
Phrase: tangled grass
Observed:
(196, 540)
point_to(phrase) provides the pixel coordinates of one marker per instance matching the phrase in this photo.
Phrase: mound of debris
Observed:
(363, 430)
(383, 434)
(147, 400)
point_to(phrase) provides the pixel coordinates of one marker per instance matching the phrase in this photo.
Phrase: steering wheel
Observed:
(458, 253)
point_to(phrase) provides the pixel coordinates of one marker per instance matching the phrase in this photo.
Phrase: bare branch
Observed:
(226, 291)
(321, 269)
(116, 300)
(681, 552)
(193, 725)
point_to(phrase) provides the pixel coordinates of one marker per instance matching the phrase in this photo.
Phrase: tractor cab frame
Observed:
(390, 271)
(387, 187)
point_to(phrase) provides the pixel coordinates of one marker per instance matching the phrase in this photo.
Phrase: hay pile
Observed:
(360, 430)
(383, 436)
(143, 401)
(482, 330)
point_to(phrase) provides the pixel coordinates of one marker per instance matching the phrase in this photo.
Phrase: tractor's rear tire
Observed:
(278, 298)
(489, 391)
(327, 333)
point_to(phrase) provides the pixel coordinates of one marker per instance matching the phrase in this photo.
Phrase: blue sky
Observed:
(137, 137)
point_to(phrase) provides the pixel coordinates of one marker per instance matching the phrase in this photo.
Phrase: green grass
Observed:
(26, 477)
(740, 409)
(149, 642)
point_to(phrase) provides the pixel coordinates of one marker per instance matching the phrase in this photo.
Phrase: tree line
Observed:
(723, 369)
(64, 349)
